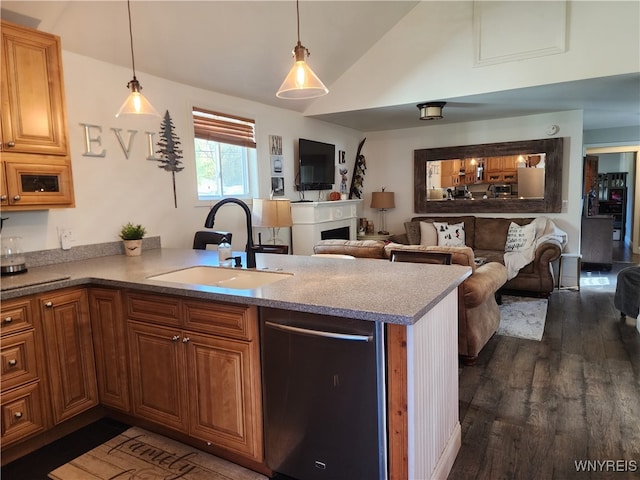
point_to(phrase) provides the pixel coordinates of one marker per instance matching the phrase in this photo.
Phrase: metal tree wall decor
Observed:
(170, 154)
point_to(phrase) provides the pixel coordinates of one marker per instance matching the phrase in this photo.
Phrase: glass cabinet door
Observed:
(33, 185)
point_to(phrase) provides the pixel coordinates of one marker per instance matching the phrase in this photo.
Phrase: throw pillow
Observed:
(520, 238)
(450, 235)
(428, 234)
(413, 232)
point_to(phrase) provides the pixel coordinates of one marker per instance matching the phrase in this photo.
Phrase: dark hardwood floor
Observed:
(531, 410)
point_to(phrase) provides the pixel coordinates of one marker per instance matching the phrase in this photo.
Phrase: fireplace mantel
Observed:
(310, 219)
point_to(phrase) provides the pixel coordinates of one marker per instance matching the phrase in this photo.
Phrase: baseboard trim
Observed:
(448, 457)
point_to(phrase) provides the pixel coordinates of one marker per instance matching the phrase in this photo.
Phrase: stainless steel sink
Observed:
(222, 277)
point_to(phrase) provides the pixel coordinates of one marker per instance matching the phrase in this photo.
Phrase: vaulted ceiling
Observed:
(243, 48)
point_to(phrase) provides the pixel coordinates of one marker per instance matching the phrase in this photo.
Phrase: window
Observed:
(225, 150)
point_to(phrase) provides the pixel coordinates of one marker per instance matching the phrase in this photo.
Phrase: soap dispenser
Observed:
(224, 253)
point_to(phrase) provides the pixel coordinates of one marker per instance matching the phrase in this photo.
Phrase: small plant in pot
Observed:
(131, 236)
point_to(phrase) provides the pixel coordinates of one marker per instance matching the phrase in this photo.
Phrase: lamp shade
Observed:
(301, 82)
(271, 213)
(136, 103)
(431, 111)
(383, 200)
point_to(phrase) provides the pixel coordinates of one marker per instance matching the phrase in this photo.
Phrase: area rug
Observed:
(522, 317)
(139, 454)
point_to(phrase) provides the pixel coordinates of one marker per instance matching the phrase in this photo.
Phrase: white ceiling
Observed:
(242, 48)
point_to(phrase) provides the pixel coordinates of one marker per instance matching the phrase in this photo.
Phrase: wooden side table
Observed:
(578, 259)
(373, 236)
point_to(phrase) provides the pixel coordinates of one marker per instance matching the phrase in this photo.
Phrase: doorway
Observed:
(624, 159)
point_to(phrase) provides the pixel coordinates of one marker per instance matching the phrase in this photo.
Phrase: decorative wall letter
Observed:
(150, 152)
(88, 140)
(125, 148)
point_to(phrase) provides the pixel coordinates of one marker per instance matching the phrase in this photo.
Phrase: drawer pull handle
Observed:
(18, 415)
(8, 320)
(16, 197)
(175, 338)
(13, 362)
(3, 197)
(11, 144)
(185, 340)
(48, 304)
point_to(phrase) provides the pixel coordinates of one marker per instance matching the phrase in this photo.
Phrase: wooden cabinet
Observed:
(23, 401)
(69, 352)
(595, 240)
(33, 121)
(108, 327)
(195, 368)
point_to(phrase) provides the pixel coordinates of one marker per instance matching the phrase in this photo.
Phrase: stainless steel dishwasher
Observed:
(324, 400)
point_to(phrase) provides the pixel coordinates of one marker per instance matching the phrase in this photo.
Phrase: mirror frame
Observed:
(551, 203)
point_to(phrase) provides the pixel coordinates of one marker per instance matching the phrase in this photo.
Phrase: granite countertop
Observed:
(367, 289)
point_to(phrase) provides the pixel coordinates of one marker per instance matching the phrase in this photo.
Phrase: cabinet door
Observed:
(225, 405)
(33, 107)
(157, 374)
(32, 184)
(108, 326)
(69, 352)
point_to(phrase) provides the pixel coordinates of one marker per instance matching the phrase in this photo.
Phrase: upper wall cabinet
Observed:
(33, 122)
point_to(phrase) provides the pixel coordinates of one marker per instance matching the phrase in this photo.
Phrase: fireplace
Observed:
(315, 221)
(341, 233)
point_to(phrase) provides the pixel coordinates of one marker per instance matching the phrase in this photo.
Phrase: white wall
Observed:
(389, 158)
(113, 190)
(429, 55)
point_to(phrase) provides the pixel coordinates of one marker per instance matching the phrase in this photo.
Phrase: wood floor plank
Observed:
(531, 410)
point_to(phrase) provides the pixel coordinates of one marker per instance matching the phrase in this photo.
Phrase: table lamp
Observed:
(383, 201)
(272, 214)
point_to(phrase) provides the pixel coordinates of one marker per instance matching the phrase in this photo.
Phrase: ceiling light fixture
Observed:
(136, 103)
(301, 82)
(431, 110)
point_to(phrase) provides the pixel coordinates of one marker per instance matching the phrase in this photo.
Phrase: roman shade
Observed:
(223, 128)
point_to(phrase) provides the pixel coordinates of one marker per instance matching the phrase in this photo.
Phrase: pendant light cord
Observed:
(298, 18)
(133, 61)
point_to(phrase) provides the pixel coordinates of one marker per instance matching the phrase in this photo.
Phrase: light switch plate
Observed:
(66, 238)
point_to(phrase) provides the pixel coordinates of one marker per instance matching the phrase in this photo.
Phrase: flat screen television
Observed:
(317, 165)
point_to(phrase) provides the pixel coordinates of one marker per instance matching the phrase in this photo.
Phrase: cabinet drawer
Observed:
(153, 308)
(18, 354)
(228, 320)
(16, 315)
(22, 413)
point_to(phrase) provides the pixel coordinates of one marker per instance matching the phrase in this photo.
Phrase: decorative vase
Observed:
(132, 248)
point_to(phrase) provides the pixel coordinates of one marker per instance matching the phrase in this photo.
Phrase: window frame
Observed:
(226, 129)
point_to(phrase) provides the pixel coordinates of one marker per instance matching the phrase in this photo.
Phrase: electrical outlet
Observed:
(66, 238)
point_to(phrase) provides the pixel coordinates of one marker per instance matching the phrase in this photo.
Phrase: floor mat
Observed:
(138, 453)
(523, 317)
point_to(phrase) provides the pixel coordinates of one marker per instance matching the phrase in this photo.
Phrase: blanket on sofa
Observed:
(545, 230)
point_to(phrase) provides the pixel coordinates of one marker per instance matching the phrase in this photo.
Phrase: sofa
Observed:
(478, 311)
(532, 276)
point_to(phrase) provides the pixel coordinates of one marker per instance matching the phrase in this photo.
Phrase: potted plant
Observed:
(131, 236)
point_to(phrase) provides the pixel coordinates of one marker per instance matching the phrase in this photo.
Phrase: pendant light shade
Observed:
(301, 82)
(136, 103)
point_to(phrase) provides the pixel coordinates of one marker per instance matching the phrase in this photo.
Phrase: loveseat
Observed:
(527, 275)
(478, 311)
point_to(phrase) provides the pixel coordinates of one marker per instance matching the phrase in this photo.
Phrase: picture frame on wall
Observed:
(277, 186)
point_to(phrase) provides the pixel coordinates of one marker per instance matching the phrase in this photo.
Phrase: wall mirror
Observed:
(507, 177)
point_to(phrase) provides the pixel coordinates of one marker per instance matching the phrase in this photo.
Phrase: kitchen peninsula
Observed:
(420, 314)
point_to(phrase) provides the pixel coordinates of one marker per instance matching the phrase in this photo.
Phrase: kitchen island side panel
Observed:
(434, 434)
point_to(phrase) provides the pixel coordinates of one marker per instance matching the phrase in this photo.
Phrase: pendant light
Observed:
(301, 82)
(136, 103)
